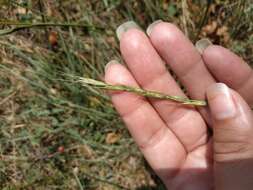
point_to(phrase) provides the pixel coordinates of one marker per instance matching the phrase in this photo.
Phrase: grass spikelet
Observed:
(140, 91)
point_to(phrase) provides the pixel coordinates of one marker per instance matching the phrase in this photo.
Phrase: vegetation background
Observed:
(58, 135)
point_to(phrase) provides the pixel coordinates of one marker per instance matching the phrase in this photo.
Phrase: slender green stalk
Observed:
(140, 91)
(25, 25)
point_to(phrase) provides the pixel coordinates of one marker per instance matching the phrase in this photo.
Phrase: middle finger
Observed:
(184, 59)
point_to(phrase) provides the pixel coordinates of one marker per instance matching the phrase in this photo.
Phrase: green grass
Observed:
(41, 110)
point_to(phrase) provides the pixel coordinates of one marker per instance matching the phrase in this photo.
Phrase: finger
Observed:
(233, 123)
(150, 72)
(155, 140)
(183, 58)
(230, 69)
(232, 138)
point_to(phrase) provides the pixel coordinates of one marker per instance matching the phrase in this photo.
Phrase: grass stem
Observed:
(26, 25)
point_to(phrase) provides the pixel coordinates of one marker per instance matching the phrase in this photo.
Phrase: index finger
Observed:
(155, 140)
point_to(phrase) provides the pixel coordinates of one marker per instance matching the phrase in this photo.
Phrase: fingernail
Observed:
(112, 62)
(125, 27)
(221, 102)
(202, 44)
(151, 26)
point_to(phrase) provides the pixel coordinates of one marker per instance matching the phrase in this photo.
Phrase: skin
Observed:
(175, 139)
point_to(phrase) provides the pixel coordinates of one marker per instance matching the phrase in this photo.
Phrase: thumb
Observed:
(232, 138)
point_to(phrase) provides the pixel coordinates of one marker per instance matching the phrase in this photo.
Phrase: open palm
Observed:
(174, 139)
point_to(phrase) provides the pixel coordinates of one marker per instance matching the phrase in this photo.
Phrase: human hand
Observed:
(175, 139)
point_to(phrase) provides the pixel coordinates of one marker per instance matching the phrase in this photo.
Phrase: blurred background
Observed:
(58, 135)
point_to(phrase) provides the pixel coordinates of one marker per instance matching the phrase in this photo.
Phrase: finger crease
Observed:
(139, 102)
(190, 68)
(178, 120)
(154, 139)
(242, 84)
(152, 82)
